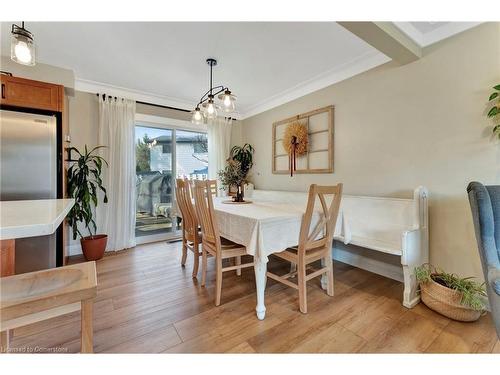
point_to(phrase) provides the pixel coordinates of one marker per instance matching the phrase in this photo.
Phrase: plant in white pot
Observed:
(83, 183)
(450, 295)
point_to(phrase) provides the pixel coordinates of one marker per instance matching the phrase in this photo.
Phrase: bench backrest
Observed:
(371, 217)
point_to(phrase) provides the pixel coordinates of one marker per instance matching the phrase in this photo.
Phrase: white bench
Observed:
(394, 226)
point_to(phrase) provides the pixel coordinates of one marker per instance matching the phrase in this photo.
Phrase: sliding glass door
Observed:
(191, 155)
(154, 181)
(162, 154)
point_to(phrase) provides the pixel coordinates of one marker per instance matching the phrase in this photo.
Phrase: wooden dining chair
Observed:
(191, 236)
(213, 186)
(315, 241)
(212, 243)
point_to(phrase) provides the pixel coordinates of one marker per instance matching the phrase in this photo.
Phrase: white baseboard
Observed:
(74, 249)
(373, 261)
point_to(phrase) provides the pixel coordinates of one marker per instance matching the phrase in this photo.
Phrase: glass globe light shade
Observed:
(22, 47)
(210, 109)
(197, 117)
(227, 101)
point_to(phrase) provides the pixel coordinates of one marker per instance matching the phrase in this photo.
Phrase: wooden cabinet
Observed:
(21, 92)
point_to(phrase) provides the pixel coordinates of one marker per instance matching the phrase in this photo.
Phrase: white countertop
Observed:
(30, 218)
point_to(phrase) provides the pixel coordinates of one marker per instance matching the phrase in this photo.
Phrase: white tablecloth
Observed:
(264, 227)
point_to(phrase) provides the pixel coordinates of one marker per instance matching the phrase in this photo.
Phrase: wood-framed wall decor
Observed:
(319, 156)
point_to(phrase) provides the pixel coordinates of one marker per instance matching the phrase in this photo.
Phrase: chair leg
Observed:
(238, 263)
(218, 280)
(184, 250)
(302, 282)
(196, 255)
(203, 266)
(329, 266)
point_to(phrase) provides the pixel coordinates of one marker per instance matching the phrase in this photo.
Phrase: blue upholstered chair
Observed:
(485, 206)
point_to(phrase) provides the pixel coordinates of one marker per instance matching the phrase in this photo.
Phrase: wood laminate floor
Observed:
(148, 303)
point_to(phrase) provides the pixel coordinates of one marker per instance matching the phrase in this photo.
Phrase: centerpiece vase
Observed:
(239, 194)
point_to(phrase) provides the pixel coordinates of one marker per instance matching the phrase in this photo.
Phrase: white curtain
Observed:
(116, 132)
(219, 143)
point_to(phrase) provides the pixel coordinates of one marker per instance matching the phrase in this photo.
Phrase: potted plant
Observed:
(244, 156)
(446, 293)
(494, 109)
(83, 183)
(232, 175)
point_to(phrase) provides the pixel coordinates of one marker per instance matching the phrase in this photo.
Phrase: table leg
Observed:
(7, 257)
(4, 342)
(87, 340)
(260, 267)
(7, 268)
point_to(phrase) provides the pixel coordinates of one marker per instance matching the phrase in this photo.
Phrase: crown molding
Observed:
(359, 65)
(434, 36)
(137, 95)
(95, 87)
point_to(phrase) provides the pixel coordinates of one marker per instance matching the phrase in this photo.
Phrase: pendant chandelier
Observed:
(207, 108)
(22, 46)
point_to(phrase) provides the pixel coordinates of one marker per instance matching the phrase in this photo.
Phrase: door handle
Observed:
(3, 90)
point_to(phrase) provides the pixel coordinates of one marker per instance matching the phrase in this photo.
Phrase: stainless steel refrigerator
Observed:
(29, 170)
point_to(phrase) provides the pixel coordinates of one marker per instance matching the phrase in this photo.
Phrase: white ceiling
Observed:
(427, 27)
(427, 33)
(264, 64)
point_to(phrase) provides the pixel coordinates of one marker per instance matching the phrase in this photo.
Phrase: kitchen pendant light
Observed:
(227, 101)
(22, 47)
(197, 116)
(209, 108)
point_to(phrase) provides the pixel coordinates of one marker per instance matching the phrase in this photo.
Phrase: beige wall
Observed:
(83, 119)
(397, 127)
(41, 72)
(163, 112)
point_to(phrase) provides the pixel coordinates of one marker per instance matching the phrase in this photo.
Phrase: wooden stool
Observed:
(35, 296)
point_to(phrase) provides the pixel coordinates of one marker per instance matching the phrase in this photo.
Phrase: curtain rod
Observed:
(164, 106)
(151, 104)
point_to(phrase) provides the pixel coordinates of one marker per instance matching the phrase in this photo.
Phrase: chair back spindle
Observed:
(206, 214)
(321, 235)
(189, 219)
(213, 187)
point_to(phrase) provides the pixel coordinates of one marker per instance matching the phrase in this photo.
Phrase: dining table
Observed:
(264, 227)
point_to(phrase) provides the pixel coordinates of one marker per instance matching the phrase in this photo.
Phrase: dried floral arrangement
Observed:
(232, 174)
(299, 130)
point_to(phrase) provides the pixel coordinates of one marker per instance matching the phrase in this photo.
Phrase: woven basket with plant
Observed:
(454, 297)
